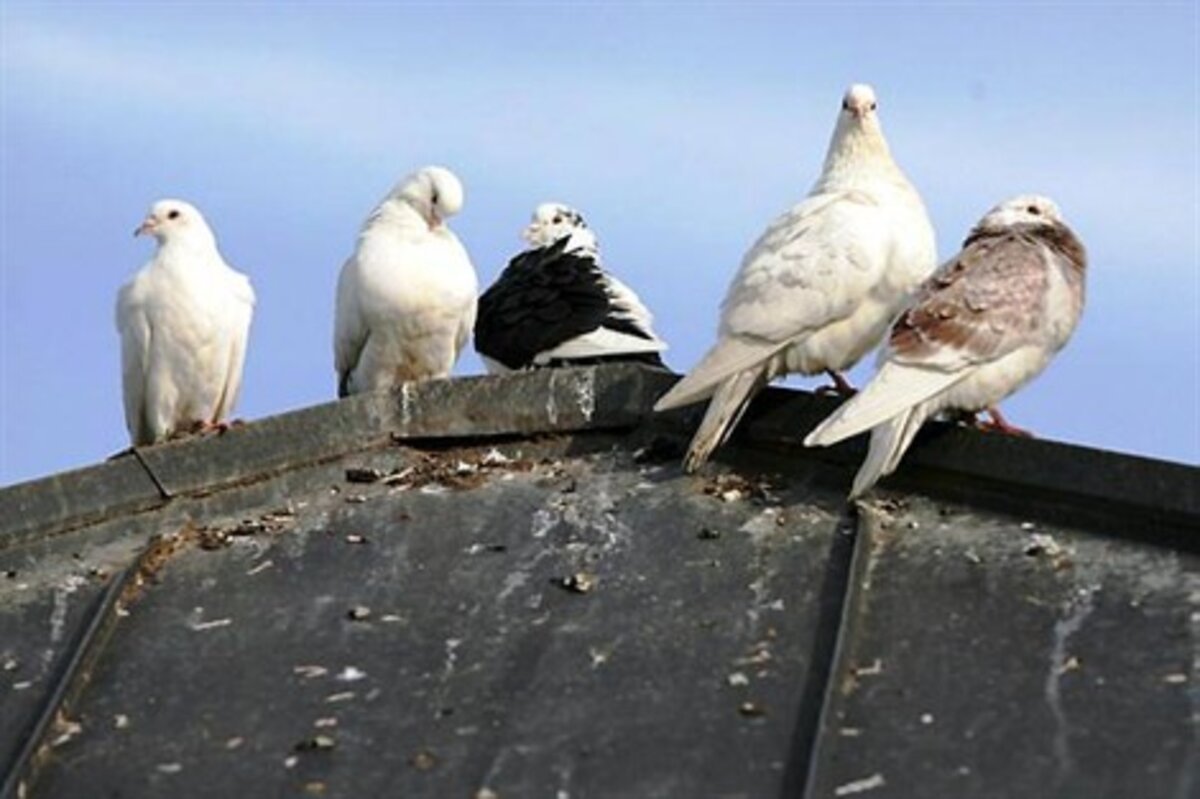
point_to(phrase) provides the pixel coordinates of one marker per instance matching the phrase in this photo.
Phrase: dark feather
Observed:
(546, 297)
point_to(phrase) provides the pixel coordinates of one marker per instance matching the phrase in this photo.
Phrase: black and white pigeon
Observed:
(984, 325)
(555, 305)
(184, 321)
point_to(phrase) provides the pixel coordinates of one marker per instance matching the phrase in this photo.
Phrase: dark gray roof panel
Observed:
(74, 498)
(947, 459)
(570, 613)
(472, 651)
(984, 650)
(547, 401)
(1007, 472)
(38, 632)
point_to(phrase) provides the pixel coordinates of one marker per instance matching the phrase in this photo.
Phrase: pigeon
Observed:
(406, 298)
(819, 288)
(554, 305)
(984, 325)
(184, 319)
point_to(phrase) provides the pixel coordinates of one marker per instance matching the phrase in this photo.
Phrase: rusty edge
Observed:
(72, 679)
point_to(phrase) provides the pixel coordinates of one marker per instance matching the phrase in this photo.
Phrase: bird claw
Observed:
(998, 424)
(992, 426)
(215, 428)
(840, 386)
(202, 428)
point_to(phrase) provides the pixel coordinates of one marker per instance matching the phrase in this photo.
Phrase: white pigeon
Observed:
(406, 298)
(818, 289)
(554, 304)
(984, 325)
(184, 319)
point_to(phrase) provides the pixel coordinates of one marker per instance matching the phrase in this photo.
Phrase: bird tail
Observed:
(889, 441)
(728, 403)
(722, 363)
(894, 390)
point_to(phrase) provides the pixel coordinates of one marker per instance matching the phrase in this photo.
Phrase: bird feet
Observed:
(217, 428)
(840, 386)
(998, 424)
(202, 428)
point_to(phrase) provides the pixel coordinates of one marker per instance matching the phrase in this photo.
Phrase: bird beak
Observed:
(528, 233)
(433, 220)
(147, 226)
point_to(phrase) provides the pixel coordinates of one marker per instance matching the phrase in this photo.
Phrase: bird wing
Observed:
(134, 327)
(243, 310)
(468, 288)
(466, 325)
(626, 304)
(980, 306)
(349, 331)
(626, 330)
(811, 267)
(549, 303)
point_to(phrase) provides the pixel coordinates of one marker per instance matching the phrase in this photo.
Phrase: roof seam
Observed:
(150, 473)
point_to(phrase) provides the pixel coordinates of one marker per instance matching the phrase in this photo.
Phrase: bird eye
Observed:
(873, 106)
(557, 219)
(173, 214)
(433, 198)
(1033, 209)
(845, 105)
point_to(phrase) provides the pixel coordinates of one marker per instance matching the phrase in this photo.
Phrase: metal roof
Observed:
(504, 587)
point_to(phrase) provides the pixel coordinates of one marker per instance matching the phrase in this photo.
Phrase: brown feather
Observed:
(977, 316)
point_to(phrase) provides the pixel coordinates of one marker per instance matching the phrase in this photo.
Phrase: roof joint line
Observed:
(74, 674)
(162, 489)
(838, 657)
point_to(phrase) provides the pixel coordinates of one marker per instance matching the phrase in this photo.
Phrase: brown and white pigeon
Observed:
(819, 288)
(184, 320)
(984, 325)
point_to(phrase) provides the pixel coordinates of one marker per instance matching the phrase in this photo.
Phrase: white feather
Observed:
(728, 357)
(728, 404)
(184, 321)
(818, 289)
(893, 390)
(406, 299)
(889, 441)
(599, 343)
(631, 307)
(1018, 331)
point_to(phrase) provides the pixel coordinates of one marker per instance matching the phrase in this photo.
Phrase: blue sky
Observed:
(680, 130)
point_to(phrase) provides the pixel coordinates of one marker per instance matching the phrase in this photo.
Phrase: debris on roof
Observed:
(505, 587)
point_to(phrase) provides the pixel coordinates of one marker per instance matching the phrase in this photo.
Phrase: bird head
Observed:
(553, 221)
(434, 192)
(1024, 209)
(174, 220)
(857, 149)
(859, 105)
